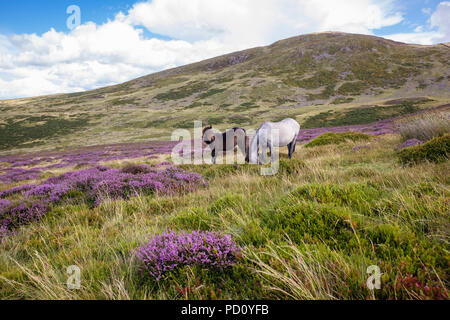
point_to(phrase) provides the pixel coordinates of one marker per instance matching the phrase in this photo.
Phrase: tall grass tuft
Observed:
(294, 274)
(426, 126)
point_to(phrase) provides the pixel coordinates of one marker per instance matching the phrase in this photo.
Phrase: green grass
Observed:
(245, 107)
(342, 100)
(34, 130)
(362, 115)
(309, 232)
(120, 102)
(337, 138)
(182, 92)
(352, 88)
(211, 93)
(321, 78)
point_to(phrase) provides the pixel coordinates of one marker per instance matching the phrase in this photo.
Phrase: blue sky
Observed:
(38, 16)
(414, 16)
(40, 55)
(32, 16)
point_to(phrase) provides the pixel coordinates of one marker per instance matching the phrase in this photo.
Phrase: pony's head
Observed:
(208, 135)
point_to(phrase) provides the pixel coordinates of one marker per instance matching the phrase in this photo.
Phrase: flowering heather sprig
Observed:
(49, 192)
(169, 251)
(15, 214)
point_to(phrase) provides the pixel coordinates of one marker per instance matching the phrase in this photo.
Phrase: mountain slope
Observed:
(317, 76)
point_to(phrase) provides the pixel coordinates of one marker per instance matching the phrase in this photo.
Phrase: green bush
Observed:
(291, 166)
(337, 138)
(28, 131)
(211, 93)
(342, 100)
(353, 88)
(435, 150)
(182, 92)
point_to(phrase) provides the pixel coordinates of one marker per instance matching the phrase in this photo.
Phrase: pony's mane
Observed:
(205, 129)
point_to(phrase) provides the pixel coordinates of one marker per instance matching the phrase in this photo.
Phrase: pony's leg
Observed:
(291, 147)
(271, 152)
(247, 150)
(213, 154)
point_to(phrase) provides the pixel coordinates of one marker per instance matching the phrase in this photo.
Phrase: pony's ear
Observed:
(206, 128)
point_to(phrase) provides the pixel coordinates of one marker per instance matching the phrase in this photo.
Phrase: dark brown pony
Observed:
(226, 141)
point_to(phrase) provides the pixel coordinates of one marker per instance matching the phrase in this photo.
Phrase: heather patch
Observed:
(14, 214)
(170, 251)
(92, 185)
(19, 174)
(32, 166)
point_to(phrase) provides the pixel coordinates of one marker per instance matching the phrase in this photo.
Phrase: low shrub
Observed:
(291, 166)
(435, 150)
(169, 251)
(337, 138)
(409, 143)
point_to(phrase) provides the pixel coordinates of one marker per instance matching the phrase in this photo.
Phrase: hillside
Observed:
(368, 185)
(324, 79)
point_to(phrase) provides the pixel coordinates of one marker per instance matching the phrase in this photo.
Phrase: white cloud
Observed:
(437, 30)
(426, 11)
(259, 22)
(424, 38)
(441, 19)
(93, 55)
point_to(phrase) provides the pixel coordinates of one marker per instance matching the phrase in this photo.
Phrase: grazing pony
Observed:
(226, 141)
(275, 134)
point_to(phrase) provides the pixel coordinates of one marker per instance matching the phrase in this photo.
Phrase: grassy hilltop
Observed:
(320, 79)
